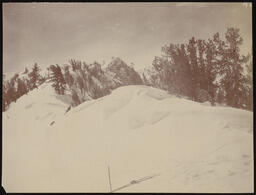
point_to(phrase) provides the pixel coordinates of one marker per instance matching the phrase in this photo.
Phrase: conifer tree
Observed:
(34, 77)
(194, 69)
(57, 79)
(21, 88)
(25, 71)
(210, 71)
(10, 93)
(75, 98)
(232, 69)
(68, 78)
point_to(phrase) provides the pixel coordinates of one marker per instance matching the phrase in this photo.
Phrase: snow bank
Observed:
(137, 131)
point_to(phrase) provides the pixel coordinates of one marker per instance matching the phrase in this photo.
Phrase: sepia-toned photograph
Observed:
(127, 97)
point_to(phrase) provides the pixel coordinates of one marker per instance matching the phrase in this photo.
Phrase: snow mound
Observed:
(151, 140)
(41, 104)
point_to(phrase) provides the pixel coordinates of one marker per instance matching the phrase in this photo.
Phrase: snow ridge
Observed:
(137, 131)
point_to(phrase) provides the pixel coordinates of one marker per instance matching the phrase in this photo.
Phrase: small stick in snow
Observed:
(133, 182)
(109, 179)
(68, 109)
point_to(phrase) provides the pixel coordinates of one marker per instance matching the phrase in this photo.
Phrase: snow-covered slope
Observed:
(39, 105)
(150, 140)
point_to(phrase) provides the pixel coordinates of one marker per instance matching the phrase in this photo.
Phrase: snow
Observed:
(37, 106)
(138, 131)
(8, 75)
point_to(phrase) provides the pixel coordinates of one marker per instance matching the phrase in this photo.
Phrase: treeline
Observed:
(203, 70)
(19, 85)
(79, 81)
(89, 81)
(206, 70)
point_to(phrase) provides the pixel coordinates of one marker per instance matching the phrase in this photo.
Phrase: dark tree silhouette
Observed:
(21, 88)
(34, 77)
(68, 77)
(206, 70)
(232, 69)
(75, 98)
(57, 79)
(25, 71)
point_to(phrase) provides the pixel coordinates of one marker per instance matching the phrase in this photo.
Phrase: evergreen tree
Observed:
(75, 98)
(21, 88)
(194, 69)
(232, 69)
(186, 74)
(25, 71)
(34, 77)
(177, 70)
(10, 93)
(57, 79)
(76, 65)
(48, 73)
(201, 47)
(210, 70)
(206, 70)
(68, 77)
(81, 84)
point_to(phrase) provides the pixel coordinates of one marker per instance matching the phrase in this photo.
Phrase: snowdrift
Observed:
(150, 140)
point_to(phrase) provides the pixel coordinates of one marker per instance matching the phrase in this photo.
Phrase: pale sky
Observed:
(52, 33)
